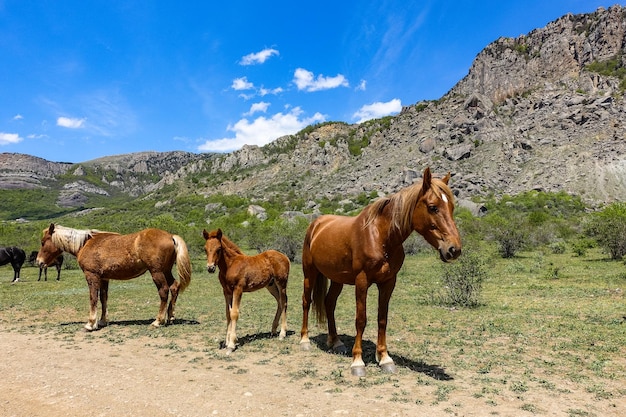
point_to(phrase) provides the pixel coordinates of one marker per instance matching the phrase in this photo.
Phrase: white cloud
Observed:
(258, 107)
(9, 138)
(18, 117)
(362, 86)
(376, 110)
(305, 80)
(261, 130)
(71, 123)
(258, 57)
(242, 83)
(265, 91)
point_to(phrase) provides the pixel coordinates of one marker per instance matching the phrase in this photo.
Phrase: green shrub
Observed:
(608, 227)
(463, 279)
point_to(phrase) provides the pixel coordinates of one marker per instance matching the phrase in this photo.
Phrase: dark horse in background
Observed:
(104, 256)
(367, 249)
(58, 263)
(16, 257)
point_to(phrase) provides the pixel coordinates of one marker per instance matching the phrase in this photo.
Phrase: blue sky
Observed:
(85, 79)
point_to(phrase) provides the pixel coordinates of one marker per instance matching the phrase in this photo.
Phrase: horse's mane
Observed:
(231, 246)
(71, 240)
(403, 203)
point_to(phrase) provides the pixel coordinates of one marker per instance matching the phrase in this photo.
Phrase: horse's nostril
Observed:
(210, 268)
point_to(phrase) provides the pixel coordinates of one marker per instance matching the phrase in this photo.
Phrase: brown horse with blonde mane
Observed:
(105, 255)
(367, 249)
(241, 273)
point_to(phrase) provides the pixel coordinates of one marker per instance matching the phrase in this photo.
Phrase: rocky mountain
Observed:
(545, 110)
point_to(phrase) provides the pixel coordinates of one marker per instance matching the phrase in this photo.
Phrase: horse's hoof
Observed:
(229, 350)
(357, 371)
(90, 328)
(102, 323)
(389, 368)
(156, 323)
(340, 349)
(305, 346)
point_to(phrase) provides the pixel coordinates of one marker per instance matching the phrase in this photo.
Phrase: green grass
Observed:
(534, 333)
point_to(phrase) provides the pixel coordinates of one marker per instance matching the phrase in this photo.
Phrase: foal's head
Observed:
(433, 217)
(213, 248)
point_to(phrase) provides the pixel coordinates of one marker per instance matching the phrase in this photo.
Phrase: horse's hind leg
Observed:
(280, 294)
(104, 298)
(310, 278)
(164, 290)
(173, 285)
(330, 303)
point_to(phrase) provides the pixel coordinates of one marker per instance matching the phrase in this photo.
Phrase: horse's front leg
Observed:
(104, 297)
(330, 303)
(357, 368)
(93, 282)
(231, 336)
(164, 292)
(382, 356)
(309, 281)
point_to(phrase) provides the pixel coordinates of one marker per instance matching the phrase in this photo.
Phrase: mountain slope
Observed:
(542, 111)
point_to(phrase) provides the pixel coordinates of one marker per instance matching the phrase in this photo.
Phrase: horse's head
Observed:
(213, 248)
(48, 251)
(433, 216)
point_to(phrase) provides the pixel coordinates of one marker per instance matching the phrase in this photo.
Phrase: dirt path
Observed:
(42, 375)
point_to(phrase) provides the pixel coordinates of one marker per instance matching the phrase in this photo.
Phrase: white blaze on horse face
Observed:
(444, 198)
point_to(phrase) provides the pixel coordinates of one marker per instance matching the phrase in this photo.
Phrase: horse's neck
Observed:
(389, 233)
(230, 250)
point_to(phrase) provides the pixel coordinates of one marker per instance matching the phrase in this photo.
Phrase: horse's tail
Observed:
(183, 263)
(319, 294)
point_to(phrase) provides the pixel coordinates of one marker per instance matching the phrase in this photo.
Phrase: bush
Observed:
(510, 234)
(463, 280)
(608, 227)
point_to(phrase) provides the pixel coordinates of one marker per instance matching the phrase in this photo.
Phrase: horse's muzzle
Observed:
(210, 268)
(449, 253)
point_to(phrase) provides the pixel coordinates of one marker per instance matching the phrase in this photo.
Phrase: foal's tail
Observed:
(183, 264)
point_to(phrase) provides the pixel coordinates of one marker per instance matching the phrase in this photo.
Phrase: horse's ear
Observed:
(205, 234)
(446, 178)
(426, 179)
(51, 228)
(219, 234)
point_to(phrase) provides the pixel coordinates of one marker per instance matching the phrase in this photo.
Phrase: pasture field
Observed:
(549, 338)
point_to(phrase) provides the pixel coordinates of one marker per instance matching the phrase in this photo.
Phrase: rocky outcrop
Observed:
(532, 113)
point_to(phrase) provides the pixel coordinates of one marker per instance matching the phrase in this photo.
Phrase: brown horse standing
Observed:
(367, 249)
(58, 263)
(104, 256)
(241, 273)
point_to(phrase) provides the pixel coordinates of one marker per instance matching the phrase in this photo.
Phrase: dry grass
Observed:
(539, 335)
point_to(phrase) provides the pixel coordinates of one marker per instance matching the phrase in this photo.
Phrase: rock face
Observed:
(541, 111)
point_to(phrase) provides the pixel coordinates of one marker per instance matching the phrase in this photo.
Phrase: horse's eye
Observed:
(433, 209)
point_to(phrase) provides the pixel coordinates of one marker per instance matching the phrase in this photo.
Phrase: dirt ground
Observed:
(44, 375)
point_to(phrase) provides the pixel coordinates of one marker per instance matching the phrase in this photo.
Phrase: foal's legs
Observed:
(231, 334)
(280, 294)
(330, 303)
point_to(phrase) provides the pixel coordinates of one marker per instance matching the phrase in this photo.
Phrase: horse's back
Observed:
(279, 261)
